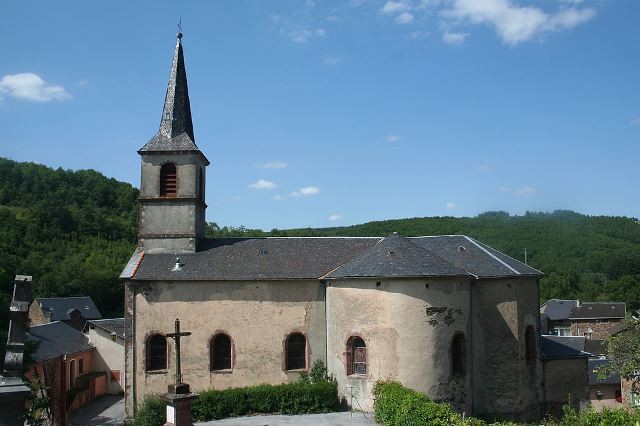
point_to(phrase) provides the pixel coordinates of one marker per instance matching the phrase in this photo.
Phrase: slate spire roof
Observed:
(176, 126)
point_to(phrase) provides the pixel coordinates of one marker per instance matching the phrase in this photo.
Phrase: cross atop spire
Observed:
(176, 127)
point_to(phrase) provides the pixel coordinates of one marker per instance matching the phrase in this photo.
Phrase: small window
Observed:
(201, 186)
(296, 347)
(220, 352)
(530, 344)
(72, 373)
(156, 353)
(459, 355)
(618, 395)
(356, 356)
(168, 180)
(81, 366)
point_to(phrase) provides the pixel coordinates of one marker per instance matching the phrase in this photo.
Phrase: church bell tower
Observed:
(172, 188)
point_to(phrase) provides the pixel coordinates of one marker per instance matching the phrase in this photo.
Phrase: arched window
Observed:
(356, 356)
(459, 355)
(530, 344)
(156, 352)
(296, 348)
(168, 180)
(220, 352)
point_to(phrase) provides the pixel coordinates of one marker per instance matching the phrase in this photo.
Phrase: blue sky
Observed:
(326, 113)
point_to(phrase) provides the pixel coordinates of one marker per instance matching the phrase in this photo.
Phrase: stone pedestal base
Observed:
(178, 408)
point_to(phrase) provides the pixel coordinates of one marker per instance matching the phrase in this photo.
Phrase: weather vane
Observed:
(180, 24)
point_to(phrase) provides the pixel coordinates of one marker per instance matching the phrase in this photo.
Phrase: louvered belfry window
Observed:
(168, 180)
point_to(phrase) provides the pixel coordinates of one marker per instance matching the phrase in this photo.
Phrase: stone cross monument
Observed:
(178, 397)
(13, 391)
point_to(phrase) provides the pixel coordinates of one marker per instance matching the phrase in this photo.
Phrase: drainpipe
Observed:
(134, 396)
(323, 283)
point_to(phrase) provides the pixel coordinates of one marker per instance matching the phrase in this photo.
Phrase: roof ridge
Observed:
(492, 255)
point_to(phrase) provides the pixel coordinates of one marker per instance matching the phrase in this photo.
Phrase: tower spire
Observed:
(176, 126)
(176, 114)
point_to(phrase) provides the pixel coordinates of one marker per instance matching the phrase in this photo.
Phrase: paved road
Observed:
(329, 419)
(106, 410)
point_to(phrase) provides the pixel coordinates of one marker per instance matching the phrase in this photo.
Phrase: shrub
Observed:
(290, 398)
(399, 406)
(152, 412)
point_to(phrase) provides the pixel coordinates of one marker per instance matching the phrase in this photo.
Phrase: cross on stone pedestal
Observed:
(179, 396)
(178, 386)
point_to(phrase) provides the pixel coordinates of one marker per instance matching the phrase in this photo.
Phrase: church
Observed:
(445, 315)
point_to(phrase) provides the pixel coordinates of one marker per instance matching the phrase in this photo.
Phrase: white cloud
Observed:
(392, 138)
(29, 86)
(454, 38)
(262, 184)
(404, 18)
(302, 192)
(305, 191)
(416, 35)
(330, 60)
(451, 206)
(273, 165)
(83, 82)
(635, 120)
(395, 7)
(525, 191)
(514, 23)
(335, 217)
(503, 189)
(320, 32)
(235, 198)
(333, 18)
(483, 167)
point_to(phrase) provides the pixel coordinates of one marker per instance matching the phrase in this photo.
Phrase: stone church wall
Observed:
(257, 315)
(408, 326)
(504, 383)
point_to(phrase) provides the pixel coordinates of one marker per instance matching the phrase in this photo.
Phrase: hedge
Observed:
(396, 405)
(290, 398)
(152, 412)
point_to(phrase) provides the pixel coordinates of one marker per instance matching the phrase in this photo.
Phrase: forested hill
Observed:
(74, 231)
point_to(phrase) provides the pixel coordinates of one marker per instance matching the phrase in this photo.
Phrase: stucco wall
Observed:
(407, 325)
(566, 379)
(108, 357)
(504, 383)
(257, 316)
(607, 397)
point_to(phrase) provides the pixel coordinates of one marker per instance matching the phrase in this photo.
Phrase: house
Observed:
(107, 336)
(605, 391)
(63, 361)
(74, 311)
(594, 320)
(445, 315)
(566, 373)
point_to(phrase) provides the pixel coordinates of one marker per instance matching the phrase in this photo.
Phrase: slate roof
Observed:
(563, 347)
(110, 325)
(281, 258)
(595, 347)
(558, 310)
(176, 125)
(611, 379)
(397, 256)
(475, 257)
(56, 339)
(61, 307)
(599, 310)
(255, 258)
